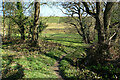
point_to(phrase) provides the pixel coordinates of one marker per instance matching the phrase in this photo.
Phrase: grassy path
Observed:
(57, 69)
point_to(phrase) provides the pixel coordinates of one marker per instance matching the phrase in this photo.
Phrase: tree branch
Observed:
(88, 10)
(76, 28)
(114, 24)
(107, 14)
(111, 37)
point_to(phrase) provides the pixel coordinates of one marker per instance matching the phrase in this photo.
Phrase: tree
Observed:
(76, 13)
(20, 19)
(21, 16)
(102, 14)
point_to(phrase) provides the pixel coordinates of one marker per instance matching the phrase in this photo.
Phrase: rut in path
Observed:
(56, 67)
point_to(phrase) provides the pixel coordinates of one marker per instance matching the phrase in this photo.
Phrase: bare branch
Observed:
(109, 41)
(114, 24)
(64, 12)
(88, 10)
(76, 28)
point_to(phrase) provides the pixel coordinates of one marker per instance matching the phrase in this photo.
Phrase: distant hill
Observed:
(55, 19)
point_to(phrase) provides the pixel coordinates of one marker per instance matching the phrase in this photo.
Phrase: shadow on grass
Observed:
(9, 74)
(9, 58)
(19, 46)
(52, 56)
(62, 40)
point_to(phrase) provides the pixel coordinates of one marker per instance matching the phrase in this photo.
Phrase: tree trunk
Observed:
(22, 32)
(88, 37)
(9, 32)
(9, 27)
(3, 19)
(85, 38)
(99, 23)
(36, 20)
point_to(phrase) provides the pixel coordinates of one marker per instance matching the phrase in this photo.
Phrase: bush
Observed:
(72, 73)
(86, 74)
(106, 71)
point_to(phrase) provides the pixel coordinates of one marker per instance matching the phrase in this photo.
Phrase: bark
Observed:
(30, 31)
(99, 23)
(102, 22)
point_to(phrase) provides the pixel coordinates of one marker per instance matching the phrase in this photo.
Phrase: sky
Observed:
(50, 11)
(44, 11)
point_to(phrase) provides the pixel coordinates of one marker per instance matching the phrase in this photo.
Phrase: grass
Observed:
(34, 66)
(65, 39)
(22, 61)
(74, 49)
(68, 71)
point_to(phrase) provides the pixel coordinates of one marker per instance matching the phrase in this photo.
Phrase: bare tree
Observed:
(75, 12)
(103, 19)
(102, 15)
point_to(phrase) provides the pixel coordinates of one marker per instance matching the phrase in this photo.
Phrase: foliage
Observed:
(42, 25)
(70, 72)
(67, 70)
(106, 71)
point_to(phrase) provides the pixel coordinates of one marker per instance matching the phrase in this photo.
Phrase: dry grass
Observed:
(59, 28)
